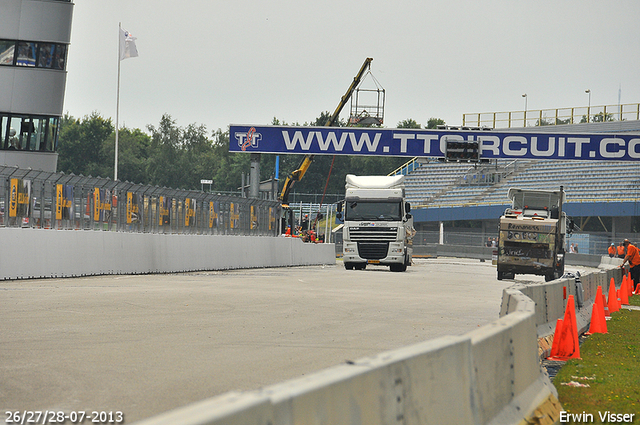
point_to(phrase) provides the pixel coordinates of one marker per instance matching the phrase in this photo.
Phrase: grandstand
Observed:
(438, 184)
(455, 192)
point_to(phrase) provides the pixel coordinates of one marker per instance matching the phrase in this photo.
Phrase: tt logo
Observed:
(250, 138)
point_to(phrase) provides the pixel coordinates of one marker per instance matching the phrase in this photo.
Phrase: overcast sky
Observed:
(244, 62)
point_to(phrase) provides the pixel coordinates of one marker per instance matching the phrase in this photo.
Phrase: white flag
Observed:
(128, 47)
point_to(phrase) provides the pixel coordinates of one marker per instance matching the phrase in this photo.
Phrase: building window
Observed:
(26, 54)
(7, 52)
(28, 132)
(33, 54)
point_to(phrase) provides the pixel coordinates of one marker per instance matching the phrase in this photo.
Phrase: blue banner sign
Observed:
(431, 143)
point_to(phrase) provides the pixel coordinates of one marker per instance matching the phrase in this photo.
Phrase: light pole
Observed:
(525, 109)
(588, 91)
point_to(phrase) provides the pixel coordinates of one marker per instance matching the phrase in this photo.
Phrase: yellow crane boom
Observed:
(308, 159)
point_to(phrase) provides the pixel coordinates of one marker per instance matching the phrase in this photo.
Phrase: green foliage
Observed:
(179, 157)
(409, 123)
(599, 117)
(433, 123)
(80, 145)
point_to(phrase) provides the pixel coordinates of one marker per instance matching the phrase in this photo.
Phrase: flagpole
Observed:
(115, 167)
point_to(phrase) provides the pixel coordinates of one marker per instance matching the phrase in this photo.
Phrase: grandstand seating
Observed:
(434, 184)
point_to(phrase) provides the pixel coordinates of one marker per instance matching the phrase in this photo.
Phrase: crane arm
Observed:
(308, 159)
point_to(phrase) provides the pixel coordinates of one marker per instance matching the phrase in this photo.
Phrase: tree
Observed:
(409, 123)
(433, 123)
(165, 156)
(133, 155)
(602, 117)
(80, 145)
(599, 117)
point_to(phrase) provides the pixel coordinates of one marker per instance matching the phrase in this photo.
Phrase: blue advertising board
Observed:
(431, 143)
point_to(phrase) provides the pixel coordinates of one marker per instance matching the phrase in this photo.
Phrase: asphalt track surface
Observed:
(146, 344)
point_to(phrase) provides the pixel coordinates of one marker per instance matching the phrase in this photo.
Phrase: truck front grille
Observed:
(373, 250)
(373, 234)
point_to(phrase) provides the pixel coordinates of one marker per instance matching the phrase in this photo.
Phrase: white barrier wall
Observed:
(35, 253)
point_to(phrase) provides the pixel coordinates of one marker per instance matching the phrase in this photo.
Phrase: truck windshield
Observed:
(383, 211)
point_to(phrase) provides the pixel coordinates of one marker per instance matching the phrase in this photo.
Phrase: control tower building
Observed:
(34, 45)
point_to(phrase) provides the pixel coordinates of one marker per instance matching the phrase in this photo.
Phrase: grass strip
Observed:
(607, 377)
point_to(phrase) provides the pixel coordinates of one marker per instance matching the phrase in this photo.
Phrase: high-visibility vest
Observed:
(634, 255)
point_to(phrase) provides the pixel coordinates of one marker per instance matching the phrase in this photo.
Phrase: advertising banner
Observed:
(20, 194)
(272, 219)
(133, 210)
(189, 212)
(254, 217)
(431, 143)
(64, 202)
(214, 210)
(234, 215)
(101, 204)
(164, 218)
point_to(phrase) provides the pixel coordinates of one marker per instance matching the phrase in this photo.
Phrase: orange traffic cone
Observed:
(624, 292)
(555, 345)
(568, 346)
(629, 285)
(598, 323)
(613, 298)
(603, 301)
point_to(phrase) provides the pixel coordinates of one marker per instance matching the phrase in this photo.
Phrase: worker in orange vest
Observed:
(621, 252)
(612, 250)
(633, 258)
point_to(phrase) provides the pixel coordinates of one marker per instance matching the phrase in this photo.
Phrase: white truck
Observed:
(532, 234)
(378, 228)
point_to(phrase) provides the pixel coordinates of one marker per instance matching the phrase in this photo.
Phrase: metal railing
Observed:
(38, 199)
(557, 116)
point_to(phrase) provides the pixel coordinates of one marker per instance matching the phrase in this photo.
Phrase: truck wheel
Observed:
(361, 266)
(348, 266)
(500, 275)
(556, 274)
(398, 267)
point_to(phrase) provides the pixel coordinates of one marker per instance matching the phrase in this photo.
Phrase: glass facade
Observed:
(33, 54)
(28, 132)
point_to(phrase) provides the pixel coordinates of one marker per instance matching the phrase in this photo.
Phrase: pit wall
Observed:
(37, 253)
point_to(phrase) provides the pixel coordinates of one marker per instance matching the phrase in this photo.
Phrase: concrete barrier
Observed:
(551, 298)
(36, 253)
(491, 375)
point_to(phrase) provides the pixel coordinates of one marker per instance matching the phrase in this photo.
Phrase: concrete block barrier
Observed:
(37, 253)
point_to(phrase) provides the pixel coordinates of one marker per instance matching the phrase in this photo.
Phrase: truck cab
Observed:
(378, 226)
(532, 234)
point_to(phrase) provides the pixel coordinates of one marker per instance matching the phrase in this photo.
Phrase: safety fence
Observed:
(557, 116)
(39, 199)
